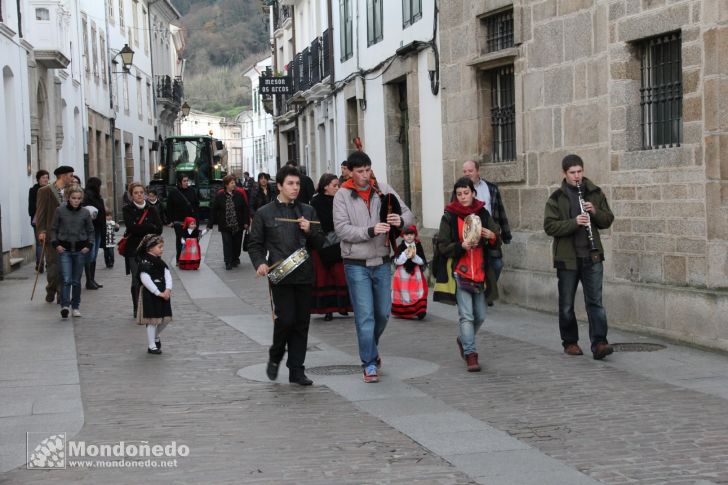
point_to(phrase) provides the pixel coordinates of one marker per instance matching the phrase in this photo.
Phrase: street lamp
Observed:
(127, 59)
(185, 109)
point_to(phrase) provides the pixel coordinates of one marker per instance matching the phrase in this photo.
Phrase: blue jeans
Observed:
(71, 264)
(370, 289)
(590, 274)
(91, 255)
(471, 314)
(497, 265)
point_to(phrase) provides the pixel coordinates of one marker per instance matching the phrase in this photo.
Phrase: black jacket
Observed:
(260, 198)
(32, 200)
(152, 225)
(217, 211)
(281, 239)
(95, 200)
(182, 203)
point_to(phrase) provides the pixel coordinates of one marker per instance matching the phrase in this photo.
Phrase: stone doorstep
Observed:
(15, 262)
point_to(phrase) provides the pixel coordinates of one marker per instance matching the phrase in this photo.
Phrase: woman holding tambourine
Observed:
(467, 232)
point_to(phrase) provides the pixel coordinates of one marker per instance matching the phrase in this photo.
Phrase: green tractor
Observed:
(200, 157)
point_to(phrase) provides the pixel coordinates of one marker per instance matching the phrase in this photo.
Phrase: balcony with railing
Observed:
(169, 88)
(281, 13)
(310, 69)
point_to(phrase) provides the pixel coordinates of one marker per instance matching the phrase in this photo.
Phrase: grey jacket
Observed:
(72, 228)
(354, 223)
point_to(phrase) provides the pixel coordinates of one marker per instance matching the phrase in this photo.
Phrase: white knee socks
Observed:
(151, 335)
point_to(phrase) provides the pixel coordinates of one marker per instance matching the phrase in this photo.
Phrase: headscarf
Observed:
(148, 242)
(188, 220)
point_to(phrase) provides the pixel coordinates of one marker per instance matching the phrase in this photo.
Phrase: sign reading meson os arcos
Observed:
(275, 85)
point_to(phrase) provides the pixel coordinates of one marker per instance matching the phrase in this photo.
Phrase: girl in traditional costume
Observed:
(409, 285)
(190, 257)
(155, 304)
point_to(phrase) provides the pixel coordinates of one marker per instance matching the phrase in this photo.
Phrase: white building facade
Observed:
(259, 143)
(132, 94)
(17, 165)
(365, 69)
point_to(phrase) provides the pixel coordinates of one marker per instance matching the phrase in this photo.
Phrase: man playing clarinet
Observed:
(573, 217)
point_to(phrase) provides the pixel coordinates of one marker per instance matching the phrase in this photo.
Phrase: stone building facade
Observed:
(637, 89)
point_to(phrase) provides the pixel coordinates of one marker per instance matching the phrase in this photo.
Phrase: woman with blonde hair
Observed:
(72, 236)
(140, 219)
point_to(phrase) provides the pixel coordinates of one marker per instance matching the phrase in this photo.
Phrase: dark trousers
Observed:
(232, 244)
(177, 238)
(135, 283)
(590, 274)
(293, 311)
(109, 256)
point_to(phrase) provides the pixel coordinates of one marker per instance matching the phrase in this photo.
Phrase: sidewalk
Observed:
(534, 415)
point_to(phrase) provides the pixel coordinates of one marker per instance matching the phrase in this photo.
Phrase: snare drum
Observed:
(287, 266)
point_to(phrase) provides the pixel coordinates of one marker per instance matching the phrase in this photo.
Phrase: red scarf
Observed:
(365, 194)
(455, 207)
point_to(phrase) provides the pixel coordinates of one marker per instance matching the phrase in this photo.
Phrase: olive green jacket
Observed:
(561, 226)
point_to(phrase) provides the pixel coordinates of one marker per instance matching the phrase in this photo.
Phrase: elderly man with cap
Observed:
(48, 199)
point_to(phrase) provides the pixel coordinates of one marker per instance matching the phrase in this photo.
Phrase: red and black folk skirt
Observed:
(330, 293)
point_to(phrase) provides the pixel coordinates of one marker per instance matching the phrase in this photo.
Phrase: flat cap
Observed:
(62, 169)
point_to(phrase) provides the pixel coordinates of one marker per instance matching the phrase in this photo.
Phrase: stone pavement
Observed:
(533, 415)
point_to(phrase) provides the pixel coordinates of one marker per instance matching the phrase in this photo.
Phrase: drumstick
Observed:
(283, 219)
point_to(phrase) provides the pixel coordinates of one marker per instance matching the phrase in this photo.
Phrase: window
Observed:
(135, 21)
(347, 44)
(115, 88)
(110, 9)
(374, 21)
(149, 100)
(499, 29)
(145, 25)
(140, 102)
(126, 94)
(122, 24)
(42, 14)
(661, 91)
(102, 51)
(86, 60)
(503, 114)
(94, 50)
(411, 12)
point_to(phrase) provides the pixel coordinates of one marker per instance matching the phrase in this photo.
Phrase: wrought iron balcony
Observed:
(312, 65)
(281, 13)
(169, 88)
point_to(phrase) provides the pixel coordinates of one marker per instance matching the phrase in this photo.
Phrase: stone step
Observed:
(16, 261)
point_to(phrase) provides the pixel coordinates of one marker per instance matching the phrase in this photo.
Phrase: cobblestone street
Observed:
(533, 415)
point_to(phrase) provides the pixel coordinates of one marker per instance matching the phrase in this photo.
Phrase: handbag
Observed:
(246, 240)
(121, 247)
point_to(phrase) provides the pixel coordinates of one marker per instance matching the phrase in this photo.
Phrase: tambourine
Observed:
(472, 229)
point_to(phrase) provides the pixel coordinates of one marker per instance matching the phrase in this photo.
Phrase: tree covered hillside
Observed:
(224, 38)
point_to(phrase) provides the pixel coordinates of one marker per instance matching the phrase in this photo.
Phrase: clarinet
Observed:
(592, 244)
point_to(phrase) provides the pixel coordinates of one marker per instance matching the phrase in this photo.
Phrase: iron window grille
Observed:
(411, 12)
(347, 43)
(503, 114)
(661, 91)
(375, 19)
(499, 29)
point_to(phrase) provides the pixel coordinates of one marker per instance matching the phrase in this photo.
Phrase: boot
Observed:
(93, 275)
(90, 284)
(472, 361)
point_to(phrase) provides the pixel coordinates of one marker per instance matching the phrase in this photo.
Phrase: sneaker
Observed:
(602, 350)
(64, 312)
(370, 374)
(154, 351)
(76, 312)
(573, 349)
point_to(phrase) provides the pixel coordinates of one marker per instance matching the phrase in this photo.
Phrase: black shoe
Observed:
(328, 317)
(92, 285)
(344, 314)
(158, 343)
(236, 263)
(64, 312)
(271, 370)
(490, 303)
(421, 316)
(228, 267)
(154, 351)
(50, 297)
(300, 379)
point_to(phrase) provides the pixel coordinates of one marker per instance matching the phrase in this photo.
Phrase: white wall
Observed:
(14, 133)
(430, 149)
